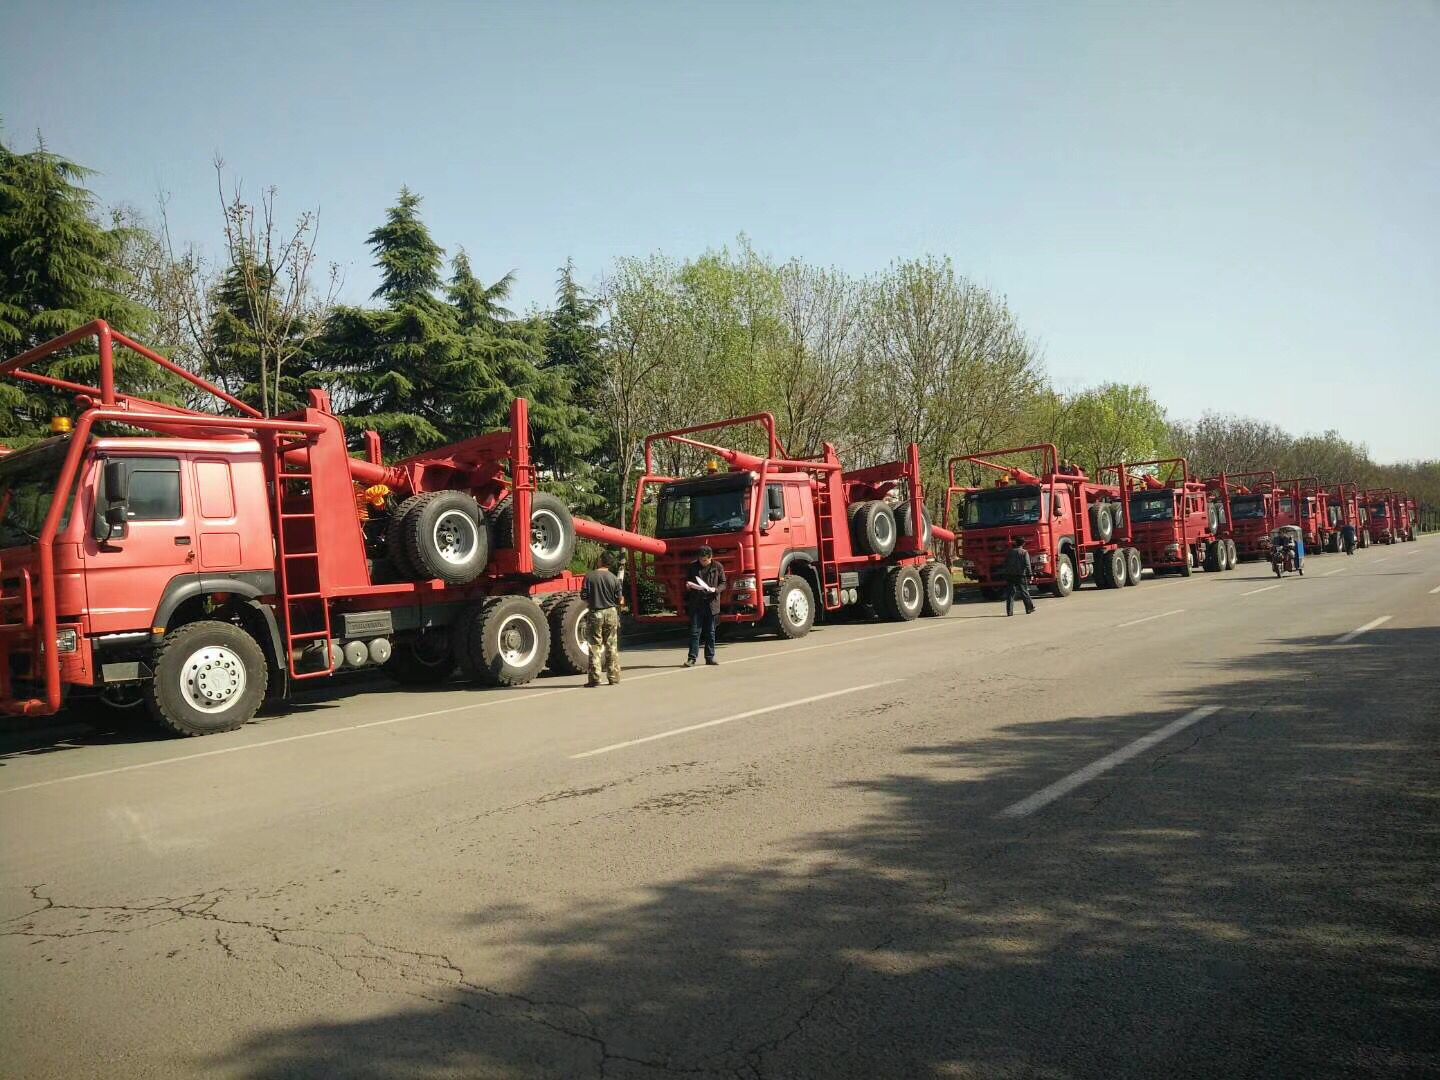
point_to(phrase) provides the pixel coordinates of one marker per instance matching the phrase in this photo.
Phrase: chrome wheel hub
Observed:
(212, 679)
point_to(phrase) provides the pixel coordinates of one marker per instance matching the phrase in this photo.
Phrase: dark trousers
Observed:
(1017, 587)
(702, 632)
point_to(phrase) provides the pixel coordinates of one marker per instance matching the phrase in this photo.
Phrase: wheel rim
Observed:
(942, 587)
(884, 530)
(909, 592)
(797, 607)
(212, 679)
(547, 534)
(1066, 575)
(456, 537)
(581, 641)
(519, 641)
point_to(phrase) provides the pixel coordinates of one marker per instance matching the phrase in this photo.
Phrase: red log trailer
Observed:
(797, 537)
(1174, 519)
(1075, 529)
(1383, 507)
(1406, 515)
(1247, 504)
(224, 558)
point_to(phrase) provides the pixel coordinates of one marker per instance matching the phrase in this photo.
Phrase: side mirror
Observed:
(113, 523)
(777, 515)
(117, 483)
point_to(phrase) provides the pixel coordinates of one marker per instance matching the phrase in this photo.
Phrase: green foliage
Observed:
(1103, 425)
(59, 269)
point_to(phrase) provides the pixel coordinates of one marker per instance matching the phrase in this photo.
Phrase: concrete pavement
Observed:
(806, 862)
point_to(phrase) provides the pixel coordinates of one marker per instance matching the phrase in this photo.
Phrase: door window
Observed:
(154, 489)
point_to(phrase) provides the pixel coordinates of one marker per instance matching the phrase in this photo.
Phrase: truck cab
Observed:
(757, 536)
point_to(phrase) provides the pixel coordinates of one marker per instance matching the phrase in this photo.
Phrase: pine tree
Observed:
(572, 339)
(59, 269)
(400, 370)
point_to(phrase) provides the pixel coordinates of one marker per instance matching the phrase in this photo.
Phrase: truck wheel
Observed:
(794, 608)
(904, 593)
(873, 528)
(552, 532)
(1102, 519)
(939, 590)
(1133, 566)
(1233, 552)
(395, 539)
(504, 641)
(1111, 570)
(1064, 576)
(1212, 558)
(569, 650)
(209, 677)
(906, 527)
(1187, 562)
(425, 661)
(445, 538)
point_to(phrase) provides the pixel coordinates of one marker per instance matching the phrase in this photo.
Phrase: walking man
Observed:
(601, 593)
(1347, 533)
(704, 582)
(1017, 577)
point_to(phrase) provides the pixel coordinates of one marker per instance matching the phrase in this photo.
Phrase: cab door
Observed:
(127, 575)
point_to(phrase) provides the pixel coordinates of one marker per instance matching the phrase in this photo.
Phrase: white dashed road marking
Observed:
(1353, 634)
(1047, 795)
(1252, 592)
(1149, 618)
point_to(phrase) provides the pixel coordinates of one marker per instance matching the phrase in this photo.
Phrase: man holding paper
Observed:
(704, 582)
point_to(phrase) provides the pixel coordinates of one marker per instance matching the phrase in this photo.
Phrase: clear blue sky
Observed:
(1238, 203)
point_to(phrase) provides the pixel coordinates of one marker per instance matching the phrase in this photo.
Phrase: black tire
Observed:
(445, 537)
(1110, 569)
(1102, 520)
(904, 593)
(1212, 558)
(395, 540)
(1234, 553)
(794, 612)
(1064, 583)
(1133, 566)
(424, 661)
(1187, 561)
(1212, 516)
(873, 528)
(503, 641)
(906, 527)
(569, 651)
(552, 532)
(209, 677)
(939, 590)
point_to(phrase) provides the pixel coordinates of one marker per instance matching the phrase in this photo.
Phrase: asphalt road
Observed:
(1177, 830)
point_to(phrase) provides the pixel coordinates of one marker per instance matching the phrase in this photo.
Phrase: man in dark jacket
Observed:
(601, 593)
(704, 582)
(1017, 577)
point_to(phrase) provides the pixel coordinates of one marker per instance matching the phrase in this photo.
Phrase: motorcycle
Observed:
(1285, 552)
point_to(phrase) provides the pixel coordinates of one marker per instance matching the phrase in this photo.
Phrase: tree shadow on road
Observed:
(1254, 897)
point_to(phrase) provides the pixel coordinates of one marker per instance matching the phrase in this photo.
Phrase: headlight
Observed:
(1172, 549)
(1043, 558)
(744, 584)
(67, 641)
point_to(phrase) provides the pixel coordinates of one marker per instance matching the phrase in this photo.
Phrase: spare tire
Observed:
(905, 525)
(395, 539)
(552, 532)
(873, 528)
(1102, 520)
(445, 538)
(1212, 516)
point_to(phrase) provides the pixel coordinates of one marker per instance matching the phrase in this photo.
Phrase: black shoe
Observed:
(690, 662)
(712, 662)
(1008, 614)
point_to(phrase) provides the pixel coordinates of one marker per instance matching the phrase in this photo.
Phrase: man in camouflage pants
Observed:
(601, 594)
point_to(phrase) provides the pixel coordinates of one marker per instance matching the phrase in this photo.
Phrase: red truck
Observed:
(1392, 516)
(1247, 504)
(1346, 508)
(798, 538)
(1314, 519)
(222, 559)
(1174, 519)
(1074, 528)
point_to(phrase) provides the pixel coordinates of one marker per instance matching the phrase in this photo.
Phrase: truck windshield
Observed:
(698, 508)
(27, 485)
(1002, 506)
(1157, 506)
(1377, 510)
(1247, 507)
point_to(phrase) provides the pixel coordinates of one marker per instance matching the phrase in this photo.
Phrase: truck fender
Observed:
(801, 561)
(259, 619)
